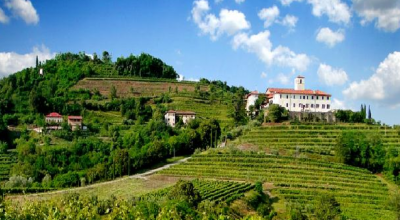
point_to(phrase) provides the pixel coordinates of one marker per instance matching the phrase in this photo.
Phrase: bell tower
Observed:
(299, 83)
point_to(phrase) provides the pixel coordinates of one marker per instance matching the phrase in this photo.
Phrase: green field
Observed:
(361, 194)
(319, 139)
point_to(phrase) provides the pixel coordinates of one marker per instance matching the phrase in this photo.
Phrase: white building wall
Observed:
(313, 103)
(251, 100)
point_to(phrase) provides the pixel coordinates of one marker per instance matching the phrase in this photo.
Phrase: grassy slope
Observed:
(361, 194)
(185, 99)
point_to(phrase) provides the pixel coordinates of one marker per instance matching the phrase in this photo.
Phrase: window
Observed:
(300, 96)
(328, 106)
(294, 105)
(322, 98)
(312, 97)
(287, 105)
(317, 97)
(280, 95)
(317, 106)
(287, 96)
(323, 106)
(307, 106)
(327, 98)
(307, 97)
(301, 81)
(304, 97)
(312, 105)
(301, 105)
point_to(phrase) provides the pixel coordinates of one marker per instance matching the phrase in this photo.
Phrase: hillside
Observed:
(360, 194)
(311, 139)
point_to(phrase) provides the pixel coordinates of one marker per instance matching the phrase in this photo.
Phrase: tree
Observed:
(113, 92)
(327, 208)
(275, 113)
(3, 147)
(106, 57)
(37, 62)
(369, 113)
(238, 112)
(184, 190)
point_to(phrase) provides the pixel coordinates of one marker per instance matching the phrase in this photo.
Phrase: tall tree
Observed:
(106, 57)
(37, 62)
(369, 113)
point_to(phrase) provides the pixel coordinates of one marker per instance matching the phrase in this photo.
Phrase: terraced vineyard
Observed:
(217, 191)
(361, 194)
(203, 108)
(135, 87)
(6, 162)
(319, 139)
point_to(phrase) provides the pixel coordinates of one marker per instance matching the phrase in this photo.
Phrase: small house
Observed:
(75, 122)
(172, 117)
(54, 119)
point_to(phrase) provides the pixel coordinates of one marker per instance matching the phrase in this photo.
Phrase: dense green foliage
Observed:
(182, 201)
(276, 113)
(355, 148)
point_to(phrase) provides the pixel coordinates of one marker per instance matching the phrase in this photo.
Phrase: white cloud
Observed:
(329, 37)
(331, 76)
(336, 10)
(263, 75)
(23, 9)
(269, 15)
(260, 45)
(3, 17)
(385, 13)
(229, 22)
(288, 2)
(338, 104)
(382, 86)
(289, 21)
(240, 1)
(11, 62)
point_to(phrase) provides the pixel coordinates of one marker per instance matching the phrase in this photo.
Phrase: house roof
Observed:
(255, 92)
(293, 91)
(182, 112)
(75, 117)
(54, 115)
(301, 77)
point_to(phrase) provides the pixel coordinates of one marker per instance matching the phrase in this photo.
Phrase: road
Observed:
(136, 176)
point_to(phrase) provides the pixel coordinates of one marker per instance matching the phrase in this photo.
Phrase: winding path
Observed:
(136, 176)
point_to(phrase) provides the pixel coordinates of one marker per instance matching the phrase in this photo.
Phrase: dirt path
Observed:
(136, 176)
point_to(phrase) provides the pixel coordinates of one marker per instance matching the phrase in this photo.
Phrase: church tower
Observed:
(299, 83)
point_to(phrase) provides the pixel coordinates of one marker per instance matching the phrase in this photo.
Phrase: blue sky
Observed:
(349, 48)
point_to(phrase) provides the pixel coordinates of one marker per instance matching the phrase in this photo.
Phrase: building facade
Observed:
(75, 122)
(53, 118)
(251, 99)
(300, 99)
(171, 117)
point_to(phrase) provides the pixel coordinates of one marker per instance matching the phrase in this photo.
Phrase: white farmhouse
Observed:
(300, 99)
(171, 117)
(251, 99)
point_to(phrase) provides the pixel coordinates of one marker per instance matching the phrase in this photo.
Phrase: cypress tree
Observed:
(369, 113)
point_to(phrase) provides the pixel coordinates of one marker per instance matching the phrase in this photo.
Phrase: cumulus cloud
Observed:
(269, 15)
(339, 104)
(329, 37)
(11, 62)
(288, 2)
(331, 76)
(289, 21)
(263, 75)
(385, 13)
(382, 86)
(23, 9)
(229, 21)
(3, 17)
(260, 45)
(336, 10)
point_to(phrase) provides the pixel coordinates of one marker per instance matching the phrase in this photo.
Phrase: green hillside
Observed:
(318, 139)
(6, 162)
(360, 194)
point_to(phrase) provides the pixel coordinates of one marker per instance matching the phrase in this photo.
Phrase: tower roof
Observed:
(300, 77)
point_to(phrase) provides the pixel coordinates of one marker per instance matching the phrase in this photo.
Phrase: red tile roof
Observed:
(292, 91)
(54, 115)
(75, 117)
